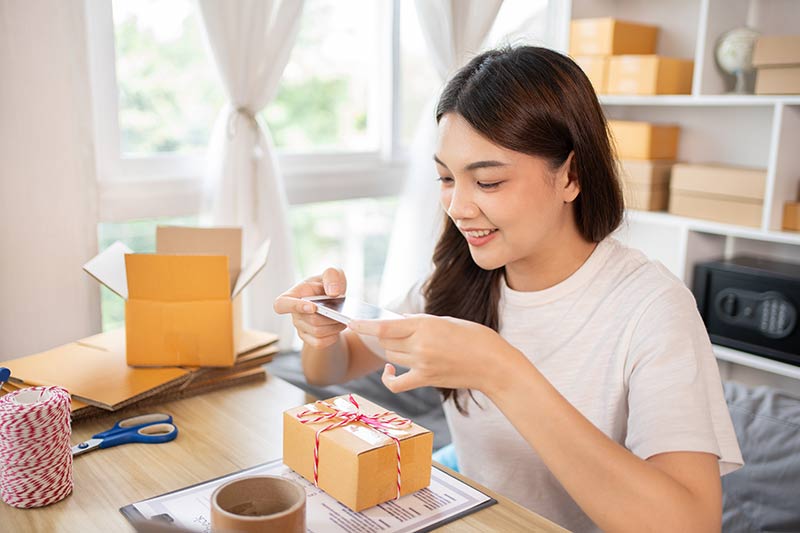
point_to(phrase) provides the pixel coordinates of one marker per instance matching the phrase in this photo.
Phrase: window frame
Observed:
(135, 187)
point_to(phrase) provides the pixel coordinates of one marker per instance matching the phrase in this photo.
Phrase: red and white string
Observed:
(35, 451)
(383, 422)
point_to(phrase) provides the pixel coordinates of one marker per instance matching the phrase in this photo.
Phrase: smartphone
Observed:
(343, 309)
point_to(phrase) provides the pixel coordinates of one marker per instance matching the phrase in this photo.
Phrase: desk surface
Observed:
(220, 432)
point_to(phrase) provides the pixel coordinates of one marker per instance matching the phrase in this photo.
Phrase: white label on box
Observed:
(368, 435)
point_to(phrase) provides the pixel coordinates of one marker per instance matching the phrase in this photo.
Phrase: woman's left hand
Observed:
(439, 351)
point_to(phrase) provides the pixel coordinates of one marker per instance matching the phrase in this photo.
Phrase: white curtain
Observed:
(251, 41)
(454, 31)
(48, 196)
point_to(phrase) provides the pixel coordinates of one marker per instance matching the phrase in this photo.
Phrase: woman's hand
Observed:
(440, 352)
(315, 330)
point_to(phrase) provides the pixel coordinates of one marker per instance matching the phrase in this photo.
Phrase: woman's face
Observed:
(512, 208)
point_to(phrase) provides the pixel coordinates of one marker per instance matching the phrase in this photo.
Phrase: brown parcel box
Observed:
(644, 140)
(791, 216)
(608, 36)
(733, 195)
(596, 69)
(182, 307)
(777, 58)
(645, 184)
(649, 75)
(357, 464)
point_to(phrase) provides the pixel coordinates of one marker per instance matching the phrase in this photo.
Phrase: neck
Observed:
(555, 261)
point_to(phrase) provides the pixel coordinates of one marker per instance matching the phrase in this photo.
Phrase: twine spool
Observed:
(35, 451)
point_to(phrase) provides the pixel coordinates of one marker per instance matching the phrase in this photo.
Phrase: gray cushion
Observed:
(764, 495)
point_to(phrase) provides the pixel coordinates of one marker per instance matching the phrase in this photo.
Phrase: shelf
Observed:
(756, 361)
(716, 228)
(699, 100)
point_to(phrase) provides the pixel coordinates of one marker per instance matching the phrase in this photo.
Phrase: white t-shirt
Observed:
(622, 341)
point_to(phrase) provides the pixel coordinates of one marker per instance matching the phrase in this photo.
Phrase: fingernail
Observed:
(332, 288)
(308, 308)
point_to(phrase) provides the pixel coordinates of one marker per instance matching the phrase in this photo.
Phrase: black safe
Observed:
(751, 304)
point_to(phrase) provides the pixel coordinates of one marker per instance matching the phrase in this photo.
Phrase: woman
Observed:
(577, 375)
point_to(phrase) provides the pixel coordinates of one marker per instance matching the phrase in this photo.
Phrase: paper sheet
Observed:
(445, 499)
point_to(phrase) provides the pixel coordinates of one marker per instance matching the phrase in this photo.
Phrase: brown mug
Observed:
(268, 504)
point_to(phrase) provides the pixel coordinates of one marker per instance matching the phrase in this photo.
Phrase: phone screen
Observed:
(355, 309)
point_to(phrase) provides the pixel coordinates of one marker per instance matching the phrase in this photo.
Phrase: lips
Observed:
(479, 237)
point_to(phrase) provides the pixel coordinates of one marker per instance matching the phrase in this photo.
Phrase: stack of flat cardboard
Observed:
(99, 380)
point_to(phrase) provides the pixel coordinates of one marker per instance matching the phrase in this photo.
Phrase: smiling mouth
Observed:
(476, 234)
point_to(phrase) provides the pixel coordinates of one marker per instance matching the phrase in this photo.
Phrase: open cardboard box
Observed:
(182, 303)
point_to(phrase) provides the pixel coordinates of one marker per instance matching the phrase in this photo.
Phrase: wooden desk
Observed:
(220, 432)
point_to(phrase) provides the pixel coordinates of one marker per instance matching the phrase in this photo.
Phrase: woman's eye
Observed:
(444, 180)
(492, 185)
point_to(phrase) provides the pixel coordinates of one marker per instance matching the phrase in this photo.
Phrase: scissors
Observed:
(153, 428)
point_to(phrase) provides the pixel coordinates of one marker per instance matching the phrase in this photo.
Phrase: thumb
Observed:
(334, 282)
(397, 383)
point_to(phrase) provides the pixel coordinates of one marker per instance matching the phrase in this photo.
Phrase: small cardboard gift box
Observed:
(609, 36)
(644, 140)
(649, 75)
(182, 305)
(356, 463)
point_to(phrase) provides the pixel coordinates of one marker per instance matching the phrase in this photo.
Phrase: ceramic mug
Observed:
(268, 504)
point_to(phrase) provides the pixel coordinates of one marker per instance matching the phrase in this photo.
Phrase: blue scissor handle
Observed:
(150, 434)
(134, 422)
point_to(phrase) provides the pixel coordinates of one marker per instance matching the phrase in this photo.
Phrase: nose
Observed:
(459, 204)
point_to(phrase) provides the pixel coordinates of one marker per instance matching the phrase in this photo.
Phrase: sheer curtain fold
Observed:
(250, 41)
(454, 31)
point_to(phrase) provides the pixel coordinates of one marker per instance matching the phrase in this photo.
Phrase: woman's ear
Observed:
(569, 183)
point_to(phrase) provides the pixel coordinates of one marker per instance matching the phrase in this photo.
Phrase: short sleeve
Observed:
(675, 397)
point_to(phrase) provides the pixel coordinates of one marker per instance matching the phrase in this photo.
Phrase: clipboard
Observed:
(449, 498)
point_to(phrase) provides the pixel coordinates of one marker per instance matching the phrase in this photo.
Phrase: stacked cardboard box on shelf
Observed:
(646, 154)
(620, 57)
(721, 193)
(777, 62)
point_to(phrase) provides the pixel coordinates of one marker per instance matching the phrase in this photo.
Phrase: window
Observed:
(169, 93)
(350, 98)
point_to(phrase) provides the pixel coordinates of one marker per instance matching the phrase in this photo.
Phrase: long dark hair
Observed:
(538, 102)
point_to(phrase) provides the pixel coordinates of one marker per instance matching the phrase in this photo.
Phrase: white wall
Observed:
(48, 215)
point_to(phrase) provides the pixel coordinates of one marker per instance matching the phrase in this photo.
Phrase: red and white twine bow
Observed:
(383, 422)
(35, 452)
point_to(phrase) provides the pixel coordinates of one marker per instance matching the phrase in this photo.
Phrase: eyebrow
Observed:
(476, 165)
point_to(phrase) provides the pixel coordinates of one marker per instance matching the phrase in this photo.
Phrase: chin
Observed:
(486, 261)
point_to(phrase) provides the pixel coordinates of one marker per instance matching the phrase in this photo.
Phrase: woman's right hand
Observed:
(315, 330)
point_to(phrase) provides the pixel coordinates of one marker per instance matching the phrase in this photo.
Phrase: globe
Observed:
(734, 55)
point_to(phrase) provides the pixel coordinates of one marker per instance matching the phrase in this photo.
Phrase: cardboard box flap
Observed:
(108, 267)
(258, 262)
(195, 241)
(358, 437)
(177, 278)
(775, 50)
(94, 370)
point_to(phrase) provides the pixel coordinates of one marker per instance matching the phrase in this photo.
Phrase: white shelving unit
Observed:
(745, 130)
